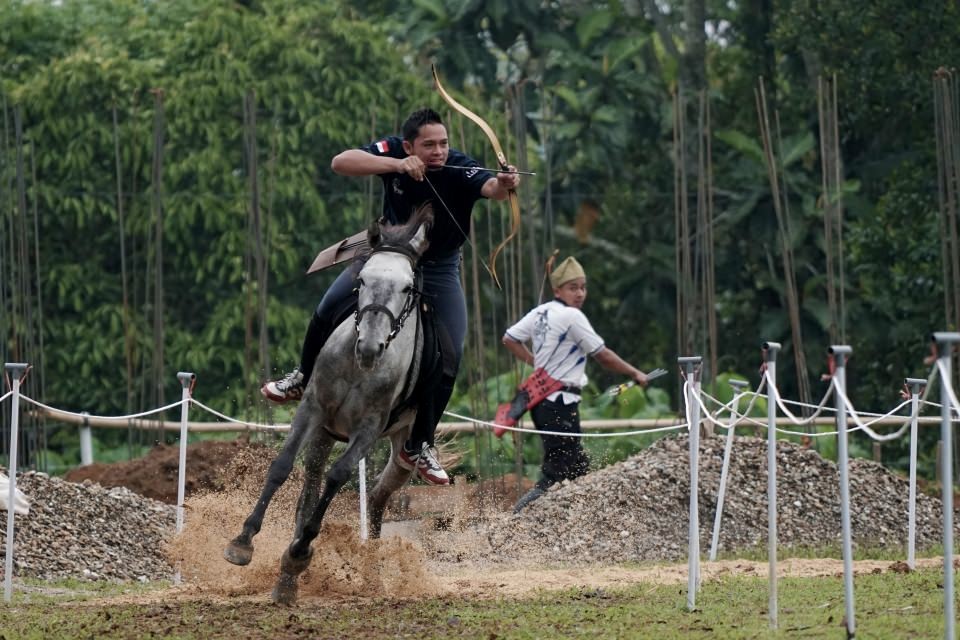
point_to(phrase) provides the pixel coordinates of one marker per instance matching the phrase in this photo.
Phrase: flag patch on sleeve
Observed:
(383, 146)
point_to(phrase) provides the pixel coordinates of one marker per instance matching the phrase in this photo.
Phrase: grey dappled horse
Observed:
(368, 366)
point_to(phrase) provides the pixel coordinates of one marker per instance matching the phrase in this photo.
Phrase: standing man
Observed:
(413, 173)
(562, 338)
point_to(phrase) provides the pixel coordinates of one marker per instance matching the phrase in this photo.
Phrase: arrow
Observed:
(522, 173)
(620, 388)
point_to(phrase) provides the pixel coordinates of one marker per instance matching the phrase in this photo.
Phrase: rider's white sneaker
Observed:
(289, 387)
(426, 464)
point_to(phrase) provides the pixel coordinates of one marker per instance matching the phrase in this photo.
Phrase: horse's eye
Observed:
(406, 289)
(359, 282)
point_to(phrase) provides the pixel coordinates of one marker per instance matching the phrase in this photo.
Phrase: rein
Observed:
(396, 322)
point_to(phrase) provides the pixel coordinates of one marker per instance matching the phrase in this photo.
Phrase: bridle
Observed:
(413, 293)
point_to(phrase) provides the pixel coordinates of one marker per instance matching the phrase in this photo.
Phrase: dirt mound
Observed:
(216, 465)
(155, 475)
(638, 509)
(88, 532)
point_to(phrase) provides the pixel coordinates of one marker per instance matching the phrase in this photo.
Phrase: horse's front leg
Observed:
(297, 556)
(314, 462)
(240, 550)
(392, 478)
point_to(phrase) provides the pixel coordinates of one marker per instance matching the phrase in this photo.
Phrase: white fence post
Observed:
(770, 350)
(945, 342)
(16, 372)
(916, 385)
(362, 474)
(187, 381)
(738, 387)
(86, 441)
(840, 354)
(692, 366)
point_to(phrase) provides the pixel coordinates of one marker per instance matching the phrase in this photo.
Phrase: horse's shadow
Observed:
(367, 368)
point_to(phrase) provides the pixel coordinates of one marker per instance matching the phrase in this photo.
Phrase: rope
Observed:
(948, 388)
(740, 418)
(87, 415)
(564, 433)
(729, 406)
(793, 418)
(255, 425)
(860, 425)
(865, 426)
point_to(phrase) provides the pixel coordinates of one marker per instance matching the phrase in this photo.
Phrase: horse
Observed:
(365, 372)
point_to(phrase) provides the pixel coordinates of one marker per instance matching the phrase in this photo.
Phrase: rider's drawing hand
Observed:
(413, 167)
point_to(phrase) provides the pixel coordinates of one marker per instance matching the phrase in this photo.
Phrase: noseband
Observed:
(396, 322)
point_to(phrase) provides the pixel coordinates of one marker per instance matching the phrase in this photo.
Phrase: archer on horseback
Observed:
(413, 171)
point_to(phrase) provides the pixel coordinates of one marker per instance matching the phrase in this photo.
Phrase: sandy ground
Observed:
(403, 564)
(345, 570)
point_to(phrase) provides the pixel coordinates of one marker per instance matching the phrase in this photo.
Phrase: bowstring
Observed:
(457, 224)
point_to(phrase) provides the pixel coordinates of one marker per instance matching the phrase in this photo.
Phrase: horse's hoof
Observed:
(238, 553)
(285, 591)
(295, 566)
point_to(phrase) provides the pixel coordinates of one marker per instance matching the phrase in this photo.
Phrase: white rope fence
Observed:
(492, 425)
(87, 416)
(865, 426)
(783, 407)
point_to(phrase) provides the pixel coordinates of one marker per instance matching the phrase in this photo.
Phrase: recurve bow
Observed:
(501, 160)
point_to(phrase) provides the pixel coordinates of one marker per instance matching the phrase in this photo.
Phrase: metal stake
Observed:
(16, 371)
(770, 350)
(738, 387)
(945, 342)
(916, 386)
(840, 354)
(187, 380)
(691, 364)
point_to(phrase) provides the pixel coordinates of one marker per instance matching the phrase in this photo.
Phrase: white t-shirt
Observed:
(561, 339)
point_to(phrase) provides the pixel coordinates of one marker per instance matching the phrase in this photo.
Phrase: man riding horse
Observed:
(416, 169)
(371, 368)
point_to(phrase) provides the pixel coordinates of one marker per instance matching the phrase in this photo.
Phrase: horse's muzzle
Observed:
(368, 353)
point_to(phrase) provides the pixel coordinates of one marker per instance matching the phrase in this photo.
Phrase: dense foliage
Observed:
(153, 153)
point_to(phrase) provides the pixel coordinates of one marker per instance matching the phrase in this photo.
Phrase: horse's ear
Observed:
(419, 241)
(423, 216)
(373, 233)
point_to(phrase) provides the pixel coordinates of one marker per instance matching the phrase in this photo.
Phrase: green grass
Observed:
(888, 605)
(860, 552)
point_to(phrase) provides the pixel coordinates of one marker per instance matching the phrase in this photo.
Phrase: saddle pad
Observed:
(343, 251)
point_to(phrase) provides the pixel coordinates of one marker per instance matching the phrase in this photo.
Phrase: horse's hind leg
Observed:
(240, 549)
(392, 478)
(297, 556)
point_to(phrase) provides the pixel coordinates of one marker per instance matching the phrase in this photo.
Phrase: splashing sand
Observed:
(342, 565)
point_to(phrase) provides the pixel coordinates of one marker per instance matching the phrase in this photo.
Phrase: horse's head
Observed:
(387, 295)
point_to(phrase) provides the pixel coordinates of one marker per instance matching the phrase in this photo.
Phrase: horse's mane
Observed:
(399, 235)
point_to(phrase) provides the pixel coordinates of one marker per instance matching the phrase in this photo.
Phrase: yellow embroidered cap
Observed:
(566, 271)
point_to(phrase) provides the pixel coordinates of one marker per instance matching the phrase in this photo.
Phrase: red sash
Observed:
(529, 394)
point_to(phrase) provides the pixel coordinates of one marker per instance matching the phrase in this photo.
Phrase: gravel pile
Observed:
(638, 509)
(85, 531)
